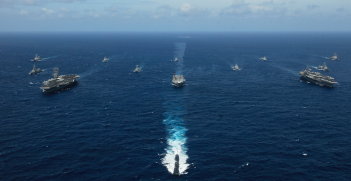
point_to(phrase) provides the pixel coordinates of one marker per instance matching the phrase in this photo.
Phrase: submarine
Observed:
(176, 166)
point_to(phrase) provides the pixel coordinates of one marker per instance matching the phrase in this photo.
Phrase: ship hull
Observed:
(59, 87)
(178, 84)
(316, 82)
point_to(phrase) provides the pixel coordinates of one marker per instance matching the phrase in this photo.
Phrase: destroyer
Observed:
(36, 58)
(317, 78)
(105, 59)
(236, 67)
(335, 57)
(263, 58)
(58, 82)
(137, 69)
(176, 59)
(323, 67)
(35, 71)
(178, 80)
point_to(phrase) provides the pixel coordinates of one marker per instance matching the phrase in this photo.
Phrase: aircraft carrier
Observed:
(178, 80)
(58, 82)
(317, 78)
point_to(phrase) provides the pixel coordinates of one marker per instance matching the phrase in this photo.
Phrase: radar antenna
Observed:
(56, 70)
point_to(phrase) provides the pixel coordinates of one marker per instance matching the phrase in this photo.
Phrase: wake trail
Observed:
(176, 138)
(179, 53)
(95, 69)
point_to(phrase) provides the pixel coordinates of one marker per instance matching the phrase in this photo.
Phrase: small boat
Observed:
(105, 59)
(236, 67)
(137, 69)
(36, 58)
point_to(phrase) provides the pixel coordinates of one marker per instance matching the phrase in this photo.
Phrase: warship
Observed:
(137, 69)
(323, 67)
(176, 59)
(35, 71)
(176, 165)
(317, 78)
(36, 58)
(105, 59)
(263, 58)
(236, 67)
(178, 80)
(335, 57)
(58, 82)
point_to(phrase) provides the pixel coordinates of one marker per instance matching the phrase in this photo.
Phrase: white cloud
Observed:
(238, 8)
(162, 11)
(188, 10)
(48, 11)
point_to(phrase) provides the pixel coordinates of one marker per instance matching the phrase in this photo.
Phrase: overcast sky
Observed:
(175, 15)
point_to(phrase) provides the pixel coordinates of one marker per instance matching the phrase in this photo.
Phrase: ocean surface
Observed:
(260, 123)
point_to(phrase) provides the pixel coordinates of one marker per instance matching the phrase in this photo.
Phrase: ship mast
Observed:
(56, 70)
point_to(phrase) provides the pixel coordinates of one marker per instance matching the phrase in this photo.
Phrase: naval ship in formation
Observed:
(176, 59)
(317, 78)
(323, 67)
(178, 80)
(236, 67)
(263, 58)
(105, 59)
(335, 57)
(35, 71)
(58, 82)
(36, 58)
(137, 69)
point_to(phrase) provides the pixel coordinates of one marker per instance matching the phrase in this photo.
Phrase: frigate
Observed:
(58, 82)
(176, 59)
(176, 165)
(36, 58)
(335, 57)
(263, 58)
(236, 67)
(137, 69)
(35, 71)
(323, 67)
(178, 80)
(105, 59)
(317, 78)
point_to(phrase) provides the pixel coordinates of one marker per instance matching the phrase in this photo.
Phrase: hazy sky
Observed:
(175, 15)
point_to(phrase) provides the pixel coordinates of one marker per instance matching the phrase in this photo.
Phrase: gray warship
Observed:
(317, 78)
(105, 59)
(236, 67)
(36, 58)
(137, 69)
(176, 59)
(335, 57)
(58, 82)
(178, 80)
(263, 58)
(35, 71)
(323, 67)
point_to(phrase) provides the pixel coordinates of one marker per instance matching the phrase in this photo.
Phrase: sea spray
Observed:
(176, 144)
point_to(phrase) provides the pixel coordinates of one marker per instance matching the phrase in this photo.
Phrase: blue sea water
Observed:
(260, 123)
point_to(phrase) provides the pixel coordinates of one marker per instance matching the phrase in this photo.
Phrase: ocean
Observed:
(260, 123)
